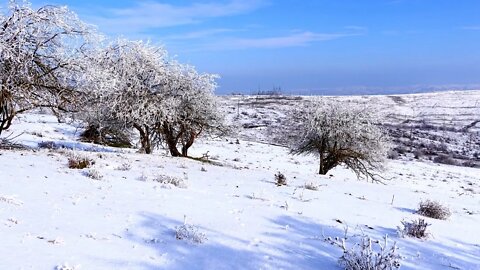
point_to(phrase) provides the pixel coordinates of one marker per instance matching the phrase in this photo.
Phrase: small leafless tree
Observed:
(343, 133)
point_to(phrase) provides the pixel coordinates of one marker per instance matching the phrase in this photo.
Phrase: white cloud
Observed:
(294, 40)
(200, 34)
(150, 15)
(299, 39)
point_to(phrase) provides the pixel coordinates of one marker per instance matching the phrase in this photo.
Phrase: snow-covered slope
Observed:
(422, 125)
(52, 216)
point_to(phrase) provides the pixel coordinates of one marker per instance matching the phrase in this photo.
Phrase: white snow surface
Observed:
(53, 217)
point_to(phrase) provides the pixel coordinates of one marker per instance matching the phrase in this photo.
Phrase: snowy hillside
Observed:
(442, 125)
(127, 209)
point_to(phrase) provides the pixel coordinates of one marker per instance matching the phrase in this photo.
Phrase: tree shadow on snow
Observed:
(158, 233)
(303, 242)
(288, 242)
(299, 247)
(406, 210)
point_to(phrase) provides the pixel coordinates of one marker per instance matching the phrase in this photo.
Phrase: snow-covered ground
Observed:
(52, 216)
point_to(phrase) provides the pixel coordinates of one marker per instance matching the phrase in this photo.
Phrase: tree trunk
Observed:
(5, 122)
(144, 138)
(324, 166)
(187, 144)
(171, 140)
(7, 111)
(172, 147)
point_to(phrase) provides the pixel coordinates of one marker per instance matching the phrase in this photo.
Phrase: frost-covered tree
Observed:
(133, 85)
(127, 89)
(343, 133)
(137, 86)
(40, 59)
(192, 109)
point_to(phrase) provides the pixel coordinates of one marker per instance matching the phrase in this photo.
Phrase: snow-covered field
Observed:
(54, 217)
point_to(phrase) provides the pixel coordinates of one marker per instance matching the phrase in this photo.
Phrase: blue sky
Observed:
(310, 46)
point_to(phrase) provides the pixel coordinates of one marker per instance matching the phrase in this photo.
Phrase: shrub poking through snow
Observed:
(433, 209)
(311, 186)
(124, 167)
(94, 174)
(445, 159)
(48, 145)
(360, 252)
(67, 267)
(78, 162)
(414, 228)
(143, 177)
(189, 233)
(280, 179)
(171, 180)
(369, 254)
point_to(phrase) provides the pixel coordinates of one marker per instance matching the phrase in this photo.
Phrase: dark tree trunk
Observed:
(60, 118)
(7, 112)
(5, 122)
(144, 138)
(172, 147)
(187, 144)
(321, 169)
(171, 140)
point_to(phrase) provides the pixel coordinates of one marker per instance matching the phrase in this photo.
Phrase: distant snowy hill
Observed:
(444, 125)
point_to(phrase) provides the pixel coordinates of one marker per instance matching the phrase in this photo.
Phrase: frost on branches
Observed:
(137, 86)
(127, 81)
(49, 58)
(193, 111)
(40, 59)
(342, 133)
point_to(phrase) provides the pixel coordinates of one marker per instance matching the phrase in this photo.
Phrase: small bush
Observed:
(78, 162)
(94, 174)
(400, 150)
(171, 180)
(6, 144)
(106, 136)
(414, 228)
(418, 153)
(369, 254)
(311, 186)
(280, 179)
(48, 145)
(190, 233)
(66, 266)
(445, 159)
(143, 177)
(433, 209)
(124, 167)
(471, 164)
(392, 154)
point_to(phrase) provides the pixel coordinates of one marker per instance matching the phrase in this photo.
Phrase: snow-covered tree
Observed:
(192, 109)
(343, 133)
(127, 89)
(134, 85)
(40, 59)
